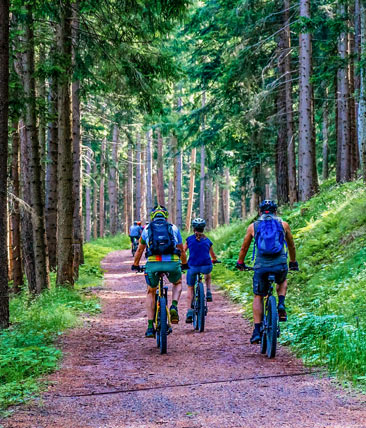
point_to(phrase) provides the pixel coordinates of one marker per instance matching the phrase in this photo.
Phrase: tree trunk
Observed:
(65, 202)
(144, 215)
(42, 120)
(138, 177)
(130, 183)
(243, 203)
(216, 206)
(113, 183)
(307, 172)
(191, 189)
(25, 212)
(17, 273)
(291, 155)
(178, 188)
(101, 188)
(362, 103)
(4, 99)
(209, 202)
(95, 199)
(343, 141)
(77, 167)
(174, 145)
(149, 202)
(51, 176)
(160, 170)
(325, 138)
(38, 215)
(171, 206)
(88, 195)
(202, 182)
(227, 197)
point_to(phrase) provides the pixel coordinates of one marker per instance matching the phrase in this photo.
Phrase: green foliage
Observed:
(326, 304)
(27, 348)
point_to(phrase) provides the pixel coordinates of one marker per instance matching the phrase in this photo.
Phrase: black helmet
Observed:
(135, 223)
(198, 224)
(159, 211)
(268, 207)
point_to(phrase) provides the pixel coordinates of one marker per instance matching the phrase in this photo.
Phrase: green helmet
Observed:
(159, 211)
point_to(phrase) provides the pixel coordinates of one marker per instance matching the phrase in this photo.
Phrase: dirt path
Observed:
(113, 377)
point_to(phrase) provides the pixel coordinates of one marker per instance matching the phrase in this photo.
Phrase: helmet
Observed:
(268, 206)
(139, 223)
(135, 223)
(198, 224)
(159, 211)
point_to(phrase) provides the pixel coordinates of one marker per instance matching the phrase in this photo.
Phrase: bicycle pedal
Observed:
(170, 330)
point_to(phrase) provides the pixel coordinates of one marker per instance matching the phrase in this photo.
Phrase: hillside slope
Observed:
(326, 299)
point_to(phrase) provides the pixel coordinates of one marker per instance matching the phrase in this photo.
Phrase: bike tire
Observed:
(195, 308)
(264, 338)
(201, 308)
(272, 322)
(163, 333)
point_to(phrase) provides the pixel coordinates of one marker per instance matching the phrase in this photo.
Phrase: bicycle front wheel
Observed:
(272, 322)
(201, 308)
(163, 333)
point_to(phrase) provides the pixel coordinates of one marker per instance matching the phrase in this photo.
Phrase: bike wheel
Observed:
(195, 308)
(201, 308)
(272, 321)
(163, 333)
(264, 337)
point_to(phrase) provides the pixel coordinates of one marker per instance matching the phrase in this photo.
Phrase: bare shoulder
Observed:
(286, 226)
(250, 229)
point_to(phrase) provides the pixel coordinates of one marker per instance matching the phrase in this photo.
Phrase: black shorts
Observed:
(260, 278)
(133, 238)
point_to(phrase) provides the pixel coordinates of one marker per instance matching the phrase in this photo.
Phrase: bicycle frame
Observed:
(162, 291)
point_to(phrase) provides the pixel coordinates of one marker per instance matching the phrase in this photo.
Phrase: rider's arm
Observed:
(183, 255)
(246, 243)
(139, 253)
(185, 247)
(212, 254)
(290, 242)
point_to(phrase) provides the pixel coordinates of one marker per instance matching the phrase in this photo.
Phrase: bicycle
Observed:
(135, 245)
(199, 303)
(270, 330)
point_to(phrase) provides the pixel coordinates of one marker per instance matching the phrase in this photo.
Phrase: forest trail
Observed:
(112, 376)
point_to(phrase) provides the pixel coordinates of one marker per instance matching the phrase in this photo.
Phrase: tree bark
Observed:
(325, 138)
(178, 187)
(149, 202)
(227, 196)
(88, 196)
(65, 201)
(307, 172)
(343, 141)
(130, 187)
(216, 206)
(362, 103)
(160, 170)
(4, 101)
(101, 188)
(113, 183)
(244, 212)
(174, 145)
(209, 202)
(143, 187)
(95, 199)
(191, 189)
(17, 270)
(291, 155)
(36, 184)
(77, 167)
(138, 178)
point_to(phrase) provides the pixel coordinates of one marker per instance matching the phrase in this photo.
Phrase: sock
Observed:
(281, 300)
(257, 327)
(175, 303)
(150, 323)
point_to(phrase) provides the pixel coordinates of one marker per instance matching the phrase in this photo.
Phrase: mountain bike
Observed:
(270, 329)
(162, 315)
(135, 245)
(199, 303)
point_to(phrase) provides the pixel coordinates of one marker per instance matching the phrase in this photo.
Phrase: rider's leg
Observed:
(189, 296)
(281, 291)
(177, 290)
(150, 303)
(282, 288)
(258, 309)
(208, 281)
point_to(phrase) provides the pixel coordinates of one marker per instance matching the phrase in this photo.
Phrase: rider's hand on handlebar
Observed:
(293, 266)
(184, 266)
(136, 268)
(240, 266)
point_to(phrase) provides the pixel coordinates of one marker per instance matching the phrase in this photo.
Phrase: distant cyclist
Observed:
(201, 256)
(164, 250)
(271, 235)
(135, 233)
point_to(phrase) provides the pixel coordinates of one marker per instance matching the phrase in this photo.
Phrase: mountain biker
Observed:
(201, 257)
(270, 234)
(164, 250)
(135, 233)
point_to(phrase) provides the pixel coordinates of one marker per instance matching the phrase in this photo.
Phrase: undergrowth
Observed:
(27, 349)
(326, 299)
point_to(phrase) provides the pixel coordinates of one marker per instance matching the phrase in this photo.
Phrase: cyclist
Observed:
(270, 234)
(135, 233)
(164, 250)
(201, 257)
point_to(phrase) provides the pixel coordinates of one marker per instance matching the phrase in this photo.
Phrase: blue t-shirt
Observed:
(199, 251)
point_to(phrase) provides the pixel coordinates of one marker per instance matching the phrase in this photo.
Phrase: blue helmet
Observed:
(268, 207)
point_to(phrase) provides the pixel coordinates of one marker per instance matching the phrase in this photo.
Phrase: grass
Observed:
(326, 299)
(27, 349)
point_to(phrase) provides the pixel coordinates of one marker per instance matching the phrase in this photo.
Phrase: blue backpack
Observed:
(269, 237)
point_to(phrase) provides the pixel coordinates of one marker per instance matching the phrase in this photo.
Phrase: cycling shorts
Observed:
(193, 271)
(172, 269)
(133, 238)
(260, 278)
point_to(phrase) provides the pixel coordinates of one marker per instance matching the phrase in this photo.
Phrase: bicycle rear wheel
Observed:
(264, 336)
(163, 333)
(201, 308)
(272, 321)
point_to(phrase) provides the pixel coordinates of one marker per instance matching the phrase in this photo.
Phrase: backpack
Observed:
(161, 238)
(269, 237)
